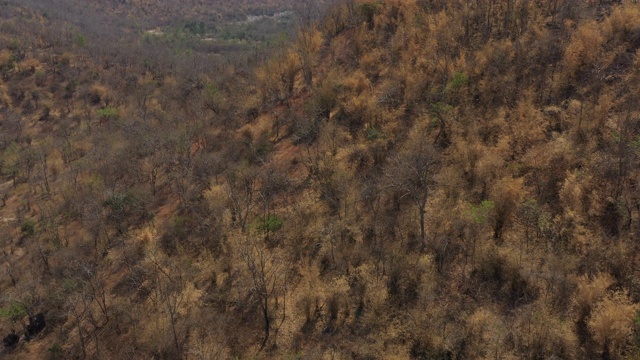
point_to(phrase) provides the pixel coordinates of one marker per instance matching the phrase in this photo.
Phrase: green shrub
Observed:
(271, 223)
(108, 113)
(459, 80)
(28, 227)
(480, 213)
(14, 312)
(373, 133)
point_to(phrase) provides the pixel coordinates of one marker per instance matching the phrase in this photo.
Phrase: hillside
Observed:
(402, 179)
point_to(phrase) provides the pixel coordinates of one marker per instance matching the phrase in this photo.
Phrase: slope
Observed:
(407, 179)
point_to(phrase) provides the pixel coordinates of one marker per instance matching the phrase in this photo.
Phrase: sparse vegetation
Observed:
(396, 179)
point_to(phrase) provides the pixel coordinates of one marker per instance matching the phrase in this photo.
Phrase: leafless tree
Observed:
(78, 307)
(411, 172)
(242, 187)
(269, 281)
(169, 283)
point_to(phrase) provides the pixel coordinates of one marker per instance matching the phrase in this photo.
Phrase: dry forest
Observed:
(293, 179)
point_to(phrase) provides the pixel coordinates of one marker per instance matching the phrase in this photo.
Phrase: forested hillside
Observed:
(410, 179)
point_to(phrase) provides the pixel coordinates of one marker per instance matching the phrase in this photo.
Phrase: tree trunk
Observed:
(267, 323)
(82, 344)
(422, 232)
(173, 329)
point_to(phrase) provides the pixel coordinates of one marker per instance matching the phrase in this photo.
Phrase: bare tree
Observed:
(10, 266)
(77, 306)
(306, 12)
(411, 171)
(242, 190)
(169, 291)
(269, 281)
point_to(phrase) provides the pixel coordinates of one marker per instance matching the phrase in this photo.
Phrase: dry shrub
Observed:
(372, 63)
(206, 346)
(601, 111)
(572, 193)
(507, 193)
(276, 80)
(416, 84)
(611, 322)
(5, 57)
(528, 127)
(582, 51)
(433, 335)
(217, 198)
(360, 110)
(495, 61)
(486, 334)
(590, 291)
(154, 337)
(390, 93)
(336, 305)
(624, 23)
(370, 288)
(453, 181)
(466, 157)
(356, 82)
(486, 164)
(99, 93)
(403, 281)
(29, 66)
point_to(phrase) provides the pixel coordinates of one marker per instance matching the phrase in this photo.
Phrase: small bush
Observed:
(481, 213)
(13, 312)
(373, 133)
(28, 227)
(459, 79)
(611, 322)
(108, 113)
(271, 223)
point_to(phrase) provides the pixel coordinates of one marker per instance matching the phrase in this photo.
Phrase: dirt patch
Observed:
(6, 185)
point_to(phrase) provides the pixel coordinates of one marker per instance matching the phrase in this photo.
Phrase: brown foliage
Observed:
(405, 179)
